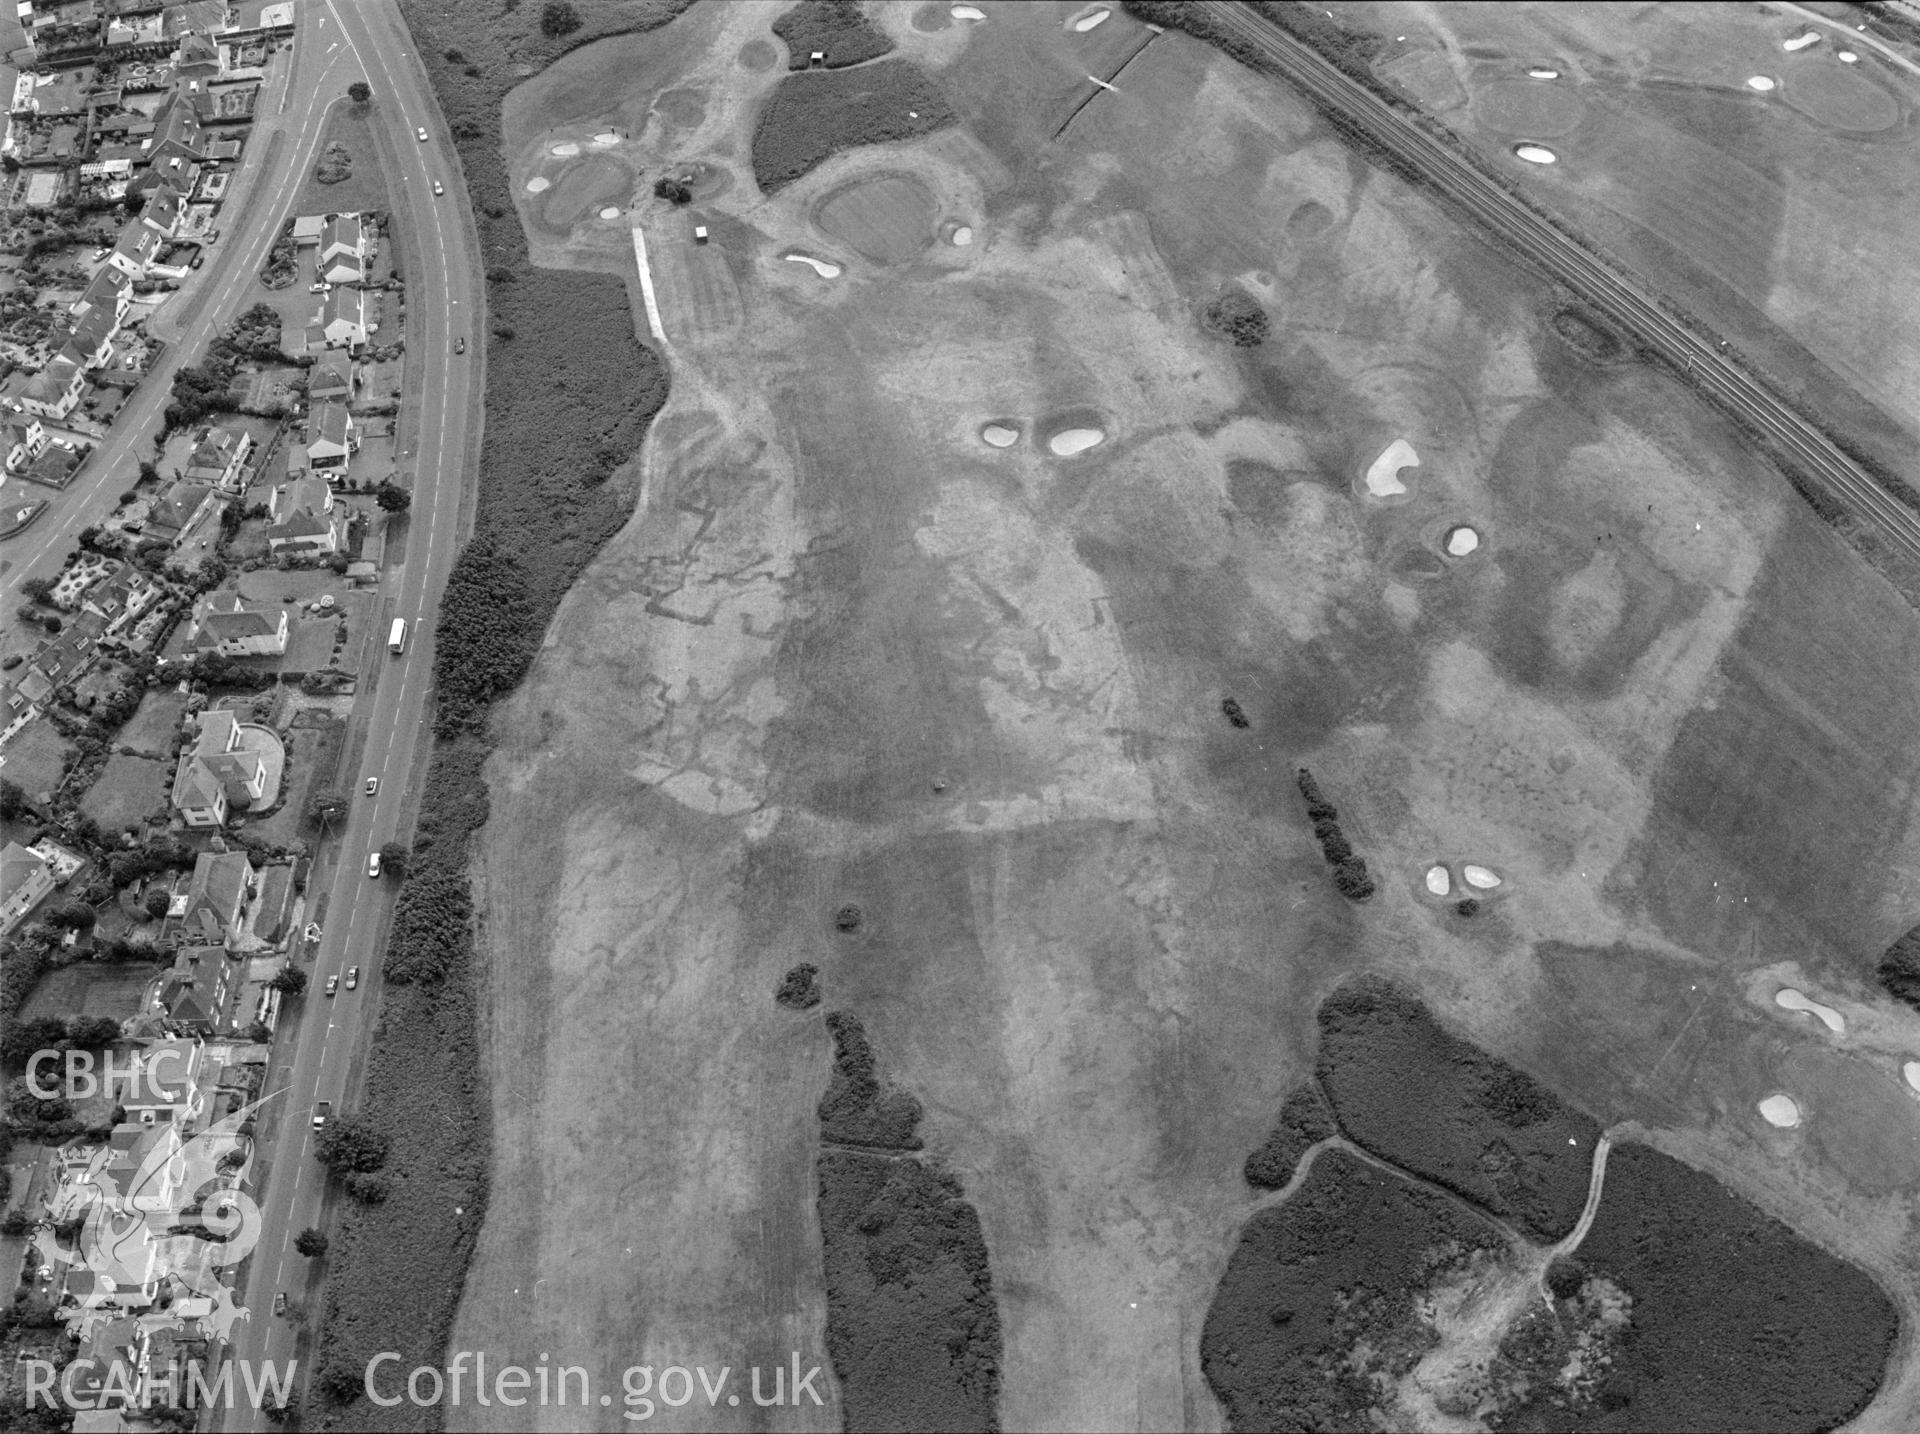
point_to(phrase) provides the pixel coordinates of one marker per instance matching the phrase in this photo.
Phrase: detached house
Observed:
(331, 377)
(55, 391)
(24, 441)
(163, 212)
(90, 341)
(217, 775)
(135, 249)
(121, 599)
(343, 250)
(110, 290)
(25, 881)
(331, 439)
(241, 631)
(342, 320)
(184, 505)
(191, 998)
(217, 898)
(220, 458)
(306, 519)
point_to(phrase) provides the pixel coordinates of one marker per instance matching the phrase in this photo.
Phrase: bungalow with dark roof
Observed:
(110, 290)
(164, 210)
(183, 505)
(331, 377)
(218, 774)
(241, 631)
(55, 390)
(135, 249)
(331, 440)
(90, 340)
(217, 898)
(342, 320)
(343, 250)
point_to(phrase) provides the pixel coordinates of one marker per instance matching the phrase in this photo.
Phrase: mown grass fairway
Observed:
(856, 651)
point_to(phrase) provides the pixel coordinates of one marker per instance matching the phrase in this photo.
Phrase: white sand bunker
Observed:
(1479, 876)
(1074, 440)
(1789, 999)
(820, 266)
(999, 435)
(1383, 478)
(1847, 57)
(1536, 154)
(1089, 22)
(967, 12)
(605, 138)
(1911, 1070)
(963, 236)
(1543, 73)
(1800, 42)
(1781, 1110)
(1461, 541)
(538, 183)
(566, 149)
(1438, 882)
(1760, 83)
(612, 211)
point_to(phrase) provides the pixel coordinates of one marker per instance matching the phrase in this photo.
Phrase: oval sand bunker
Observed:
(1074, 440)
(1781, 1110)
(1759, 83)
(1479, 876)
(1911, 1070)
(1089, 22)
(1383, 478)
(566, 149)
(1789, 999)
(605, 138)
(612, 211)
(967, 12)
(820, 266)
(963, 236)
(1543, 73)
(999, 435)
(1462, 541)
(538, 184)
(1438, 882)
(1536, 154)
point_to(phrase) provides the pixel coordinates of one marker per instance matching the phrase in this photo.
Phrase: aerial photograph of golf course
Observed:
(1162, 715)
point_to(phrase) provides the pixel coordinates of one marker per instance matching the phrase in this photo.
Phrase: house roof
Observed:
(342, 231)
(333, 373)
(238, 622)
(218, 448)
(94, 328)
(307, 228)
(347, 304)
(194, 785)
(328, 423)
(309, 495)
(51, 383)
(105, 288)
(177, 508)
(163, 207)
(136, 241)
(219, 884)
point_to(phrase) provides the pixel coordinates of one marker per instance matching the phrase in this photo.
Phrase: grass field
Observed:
(848, 654)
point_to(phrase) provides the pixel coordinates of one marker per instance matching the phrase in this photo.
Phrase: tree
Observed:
(674, 191)
(558, 18)
(324, 808)
(394, 857)
(157, 902)
(311, 1243)
(13, 801)
(37, 588)
(359, 92)
(392, 497)
(351, 1145)
(289, 979)
(92, 1032)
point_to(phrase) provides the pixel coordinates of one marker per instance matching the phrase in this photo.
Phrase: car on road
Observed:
(333, 984)
(460, 344)
(438, 187)
(353, 977)
(373, 863)
(373, 785)
(421, 133)
(319, 288)
(321, 1112)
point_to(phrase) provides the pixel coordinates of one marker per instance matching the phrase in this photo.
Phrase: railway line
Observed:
(1716, 374)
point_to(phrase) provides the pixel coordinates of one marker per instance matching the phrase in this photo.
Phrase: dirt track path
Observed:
(1594, 1183)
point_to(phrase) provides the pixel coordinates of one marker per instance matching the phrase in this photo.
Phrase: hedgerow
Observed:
(857, 1109)
(1350, 875)
(814, 115)
(837, 28)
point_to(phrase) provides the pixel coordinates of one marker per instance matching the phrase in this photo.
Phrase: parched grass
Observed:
(813, 116)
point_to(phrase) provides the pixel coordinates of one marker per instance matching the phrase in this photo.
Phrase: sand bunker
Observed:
(967, 12)
(1543, 73)
(612, 211)
(1536, 154)
(1089, 22)
(1781, 1110)
(566, 149)
(538, 184)
(963, 236)
(1800, 42)
(1000, 435)
(1479, 876)
(1847, 57)
(1074, 440)
(1760, 83)
(1911, 1070)
(605, 138)
(1789, 999)
(1461, 541)
(1438, 882)
(820, 266)
(1383, 480)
